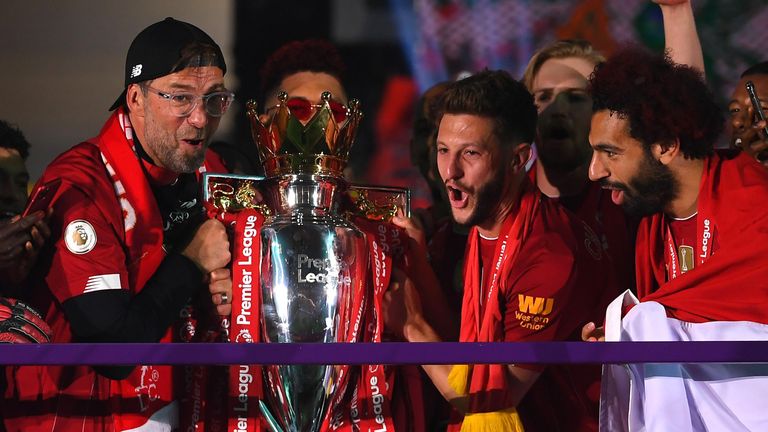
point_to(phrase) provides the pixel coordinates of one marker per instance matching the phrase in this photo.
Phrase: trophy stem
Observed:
(271, 421)
(313, 273)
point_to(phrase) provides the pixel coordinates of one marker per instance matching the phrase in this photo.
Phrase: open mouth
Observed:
(193, 142)
(617, 192)
(457, 197)
(617, 196)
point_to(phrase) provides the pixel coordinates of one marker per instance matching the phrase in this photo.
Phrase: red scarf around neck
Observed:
(487, 383)
(732, 284)
(143, 227)
(143, 222)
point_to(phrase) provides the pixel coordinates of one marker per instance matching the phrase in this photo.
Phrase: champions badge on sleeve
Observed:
(305, 247)
(80, 237)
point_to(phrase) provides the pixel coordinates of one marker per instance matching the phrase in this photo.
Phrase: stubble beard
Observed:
(167, 149)
(487, 201)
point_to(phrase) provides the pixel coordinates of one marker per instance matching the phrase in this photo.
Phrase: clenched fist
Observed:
(209, 248)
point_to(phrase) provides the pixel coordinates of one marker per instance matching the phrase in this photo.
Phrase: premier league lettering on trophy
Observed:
(303, 268)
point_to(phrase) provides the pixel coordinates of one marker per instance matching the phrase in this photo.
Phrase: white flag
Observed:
(681, 397)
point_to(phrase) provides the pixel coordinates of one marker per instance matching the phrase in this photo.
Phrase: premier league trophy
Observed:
(313, 259)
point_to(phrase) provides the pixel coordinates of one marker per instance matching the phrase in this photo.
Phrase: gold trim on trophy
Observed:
(234, 193)
(319, 147)
(379, 203)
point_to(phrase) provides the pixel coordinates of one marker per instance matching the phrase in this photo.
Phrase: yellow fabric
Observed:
(506, 420)
(458, 379)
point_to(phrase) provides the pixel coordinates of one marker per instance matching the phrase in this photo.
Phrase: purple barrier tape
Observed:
(386, 353)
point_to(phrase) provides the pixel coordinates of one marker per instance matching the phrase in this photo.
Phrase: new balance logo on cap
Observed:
(157, 51)
(136, 71)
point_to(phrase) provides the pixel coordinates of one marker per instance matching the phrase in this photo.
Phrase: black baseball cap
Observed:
(157, 49)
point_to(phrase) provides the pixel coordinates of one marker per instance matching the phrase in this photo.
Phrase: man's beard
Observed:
(487, 201)
(168, 150)
(650, 190)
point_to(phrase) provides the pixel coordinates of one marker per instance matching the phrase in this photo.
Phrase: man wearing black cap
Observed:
(130, 242)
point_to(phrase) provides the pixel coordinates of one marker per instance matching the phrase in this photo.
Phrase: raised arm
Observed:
(680, 35)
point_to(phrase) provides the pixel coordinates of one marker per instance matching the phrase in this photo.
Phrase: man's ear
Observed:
(135, 100)
(666, 151)
(521, 154)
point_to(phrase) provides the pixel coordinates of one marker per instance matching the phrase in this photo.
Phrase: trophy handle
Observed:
(234, 192)
(273, 425)
(379, 202)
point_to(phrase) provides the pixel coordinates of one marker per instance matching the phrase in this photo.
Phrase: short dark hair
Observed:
(310, 55)
(498, 96)
(756, 69)
(662, 101)
(12, 138)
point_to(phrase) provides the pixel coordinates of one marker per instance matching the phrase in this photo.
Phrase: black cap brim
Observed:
(119, 102)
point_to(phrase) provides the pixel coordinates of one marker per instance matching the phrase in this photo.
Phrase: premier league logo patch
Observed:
(80, 237)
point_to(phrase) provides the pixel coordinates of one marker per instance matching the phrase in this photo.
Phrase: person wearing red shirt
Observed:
(130, 244)
(522, 261)
(702, 236)
(655, 152)
(557, 76)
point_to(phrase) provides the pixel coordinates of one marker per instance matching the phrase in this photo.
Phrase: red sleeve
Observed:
(88, 254)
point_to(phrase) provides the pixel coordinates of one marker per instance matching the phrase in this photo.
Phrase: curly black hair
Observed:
(12, 138)
(662, 101)
(496, 95)
(756, 69)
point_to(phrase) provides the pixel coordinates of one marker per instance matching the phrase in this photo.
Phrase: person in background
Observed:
(14, 177)
(20, 237)
(130, 244)
(557, 77)
(304, 69)
(446, 240)
(746, 133)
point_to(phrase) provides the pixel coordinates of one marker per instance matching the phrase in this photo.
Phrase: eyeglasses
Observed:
(182, 104)
(303, 109)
